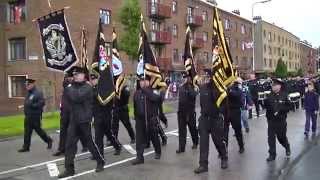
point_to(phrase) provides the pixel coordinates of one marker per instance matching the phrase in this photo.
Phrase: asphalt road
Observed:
(248, 166)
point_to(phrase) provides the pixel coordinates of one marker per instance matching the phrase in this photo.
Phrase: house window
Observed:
(16, 86)
(269, 36)
(265, 62)
(237, 43)
(205, 36)
(17, 49)
(243, 45)
(237, 60)
(264, 48)
(174, 6)
(175, 30)
(205, 16)
(270, 63)
(243, 29)
(227, 24)
(228, 41)
(175, 55)
(155, 26)
(105, 16)
(264, 33)
(17, 12)
(206, 56)
(190, 11)
(270, 50)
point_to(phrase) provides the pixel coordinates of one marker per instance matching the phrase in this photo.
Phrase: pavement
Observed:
(251, 165)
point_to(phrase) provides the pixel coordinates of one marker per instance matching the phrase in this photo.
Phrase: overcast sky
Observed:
(298, 17)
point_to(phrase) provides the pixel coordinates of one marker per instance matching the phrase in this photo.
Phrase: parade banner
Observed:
(188, 58)
(223, 72)
(59, 52)
(102, 67)
(147, 65)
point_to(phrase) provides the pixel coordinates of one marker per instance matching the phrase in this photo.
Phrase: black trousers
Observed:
(144, 134)
(161, 132)
(122, 114)
(102, 127)
(33, 123)
(75, 131)
(277, 130)
(187, 119)
(257, 107)
(214, 127)
(235, 121)
(64, 124)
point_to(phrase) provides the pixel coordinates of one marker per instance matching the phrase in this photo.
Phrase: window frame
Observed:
(10, 59)
(110, 16)
(9, 80)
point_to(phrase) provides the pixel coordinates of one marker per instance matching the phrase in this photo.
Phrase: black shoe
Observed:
(117, 152)
(85, 149)
(66, 174)
(241, 150)
(247, 130)
(201, 169)
(137, 161)
(164, 141)
(224, 164)
(157, 156)
(179, 151)
(133, 141)
(50, 144)
(58, 153)
(147, 146)
(23, 150)
(288, 152)
(271, 158)
(99, 167)
(194, 146)
(166, 125)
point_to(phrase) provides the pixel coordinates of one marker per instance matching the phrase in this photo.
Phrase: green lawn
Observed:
(13, 125)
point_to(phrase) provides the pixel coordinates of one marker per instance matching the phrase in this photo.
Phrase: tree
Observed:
(281, 69)
(300, 72)
(129, 17)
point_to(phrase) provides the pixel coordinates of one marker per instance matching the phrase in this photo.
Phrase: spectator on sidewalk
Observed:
(311, 106)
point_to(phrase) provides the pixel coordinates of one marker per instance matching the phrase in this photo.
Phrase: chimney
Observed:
(237, 11)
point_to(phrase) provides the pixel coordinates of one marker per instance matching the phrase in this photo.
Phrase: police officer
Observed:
(33, 107)
(235, 102)
(65, 117)
(187, 114)
(162, 118)
(121, 112)
(102, 120)
(254, 89)
(277, 106)
(210, 123)
(146, 101)
(80, 95)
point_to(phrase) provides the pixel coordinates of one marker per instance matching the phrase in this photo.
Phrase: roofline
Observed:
(279, 28)
(231, 13)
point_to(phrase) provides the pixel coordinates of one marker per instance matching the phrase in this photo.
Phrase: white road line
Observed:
(130, 149)
(107, 166)
(43, 163)
(55, 160)
(53, 169)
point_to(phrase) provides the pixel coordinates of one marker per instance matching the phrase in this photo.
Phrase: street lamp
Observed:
(253, 32)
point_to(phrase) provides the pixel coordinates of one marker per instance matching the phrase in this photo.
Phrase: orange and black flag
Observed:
(147, 65)
(188, 58)
(223, 73)
(102, 67)
(119, 77)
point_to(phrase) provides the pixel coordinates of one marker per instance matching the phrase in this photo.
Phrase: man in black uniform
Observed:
(277, 105)
(121, 112)
(80, 95)
(102, 120)
(146, 106)
(187, 114)
(33, 107)
(162, 118)
(65, 117)
(210, 123)
(234, 103)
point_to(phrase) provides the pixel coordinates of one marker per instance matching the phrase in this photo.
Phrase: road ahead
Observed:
(248, 166)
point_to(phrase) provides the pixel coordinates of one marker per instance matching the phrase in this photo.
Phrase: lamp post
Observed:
(253, 30)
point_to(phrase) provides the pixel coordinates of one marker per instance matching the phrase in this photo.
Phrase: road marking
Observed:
(105, 167)
(56, 160)
(130, 149)
(53, 169)
(43, 163)
(174, 133)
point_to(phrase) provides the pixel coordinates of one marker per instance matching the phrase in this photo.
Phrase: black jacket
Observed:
(277, 106)
(80, 96)
(34, 103)
(124, 98)
(98, 108)
(187, 98)
(146, 104)
(208, 98)
(235, 98)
